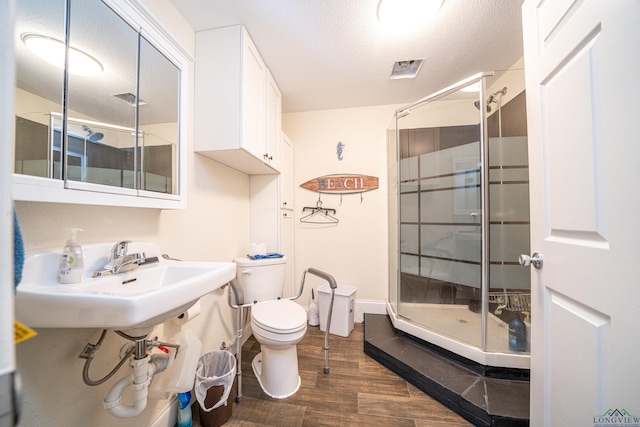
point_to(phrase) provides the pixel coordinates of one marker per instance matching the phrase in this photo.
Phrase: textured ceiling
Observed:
(328, 54)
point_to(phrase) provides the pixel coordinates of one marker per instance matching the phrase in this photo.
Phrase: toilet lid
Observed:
(279, 316)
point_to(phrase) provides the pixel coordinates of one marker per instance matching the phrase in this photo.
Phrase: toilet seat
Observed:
(279, 316)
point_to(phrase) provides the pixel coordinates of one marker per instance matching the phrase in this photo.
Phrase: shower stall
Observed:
(459, 219)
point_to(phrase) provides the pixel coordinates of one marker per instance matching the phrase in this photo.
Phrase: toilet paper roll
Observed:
(192, 312)
(258, 249)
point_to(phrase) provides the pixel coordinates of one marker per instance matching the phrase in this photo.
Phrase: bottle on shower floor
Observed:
(517, 334)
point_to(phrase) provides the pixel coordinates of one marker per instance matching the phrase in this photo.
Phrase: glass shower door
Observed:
(440, 215)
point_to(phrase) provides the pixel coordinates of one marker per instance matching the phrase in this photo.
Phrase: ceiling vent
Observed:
(129, 98)
(406, 69)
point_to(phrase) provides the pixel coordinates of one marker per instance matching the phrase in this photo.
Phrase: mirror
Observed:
(113, 128)
(39, 88)
(158, 120)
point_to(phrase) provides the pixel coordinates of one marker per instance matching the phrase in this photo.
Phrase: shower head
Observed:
(91, 135)
(95, 137)
(495, 97)
(477, 104)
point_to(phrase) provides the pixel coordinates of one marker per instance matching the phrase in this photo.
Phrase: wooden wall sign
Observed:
(342, 184)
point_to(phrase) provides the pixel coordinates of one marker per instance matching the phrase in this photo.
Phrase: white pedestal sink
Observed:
(141, 298)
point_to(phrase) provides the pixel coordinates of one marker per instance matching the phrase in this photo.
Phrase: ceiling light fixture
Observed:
(53, 51)
(406, 15)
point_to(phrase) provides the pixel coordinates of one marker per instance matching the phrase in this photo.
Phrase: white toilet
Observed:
(277, 324)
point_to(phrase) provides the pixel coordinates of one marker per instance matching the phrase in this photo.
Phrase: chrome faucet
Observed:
(118, 253)
(120, 260)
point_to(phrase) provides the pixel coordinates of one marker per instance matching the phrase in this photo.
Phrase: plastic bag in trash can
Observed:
(217, 368)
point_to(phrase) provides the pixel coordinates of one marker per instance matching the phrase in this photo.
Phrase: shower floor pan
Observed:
(459, 323)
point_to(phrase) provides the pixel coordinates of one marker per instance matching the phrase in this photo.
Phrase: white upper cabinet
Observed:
(237, 102)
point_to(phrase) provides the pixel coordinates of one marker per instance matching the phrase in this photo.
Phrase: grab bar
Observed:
(332, 283)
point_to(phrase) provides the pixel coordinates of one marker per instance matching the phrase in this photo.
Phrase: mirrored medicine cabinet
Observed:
(98, 108)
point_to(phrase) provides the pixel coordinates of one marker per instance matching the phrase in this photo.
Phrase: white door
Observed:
(7, 87)
(582, 65)
(286, 212)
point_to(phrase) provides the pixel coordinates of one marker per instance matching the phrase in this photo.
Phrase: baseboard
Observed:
(368, 306)
(169, 415)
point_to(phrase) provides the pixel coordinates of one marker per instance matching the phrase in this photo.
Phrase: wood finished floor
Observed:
(358, 391)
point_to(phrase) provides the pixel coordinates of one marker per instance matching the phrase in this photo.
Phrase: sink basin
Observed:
(140, 298)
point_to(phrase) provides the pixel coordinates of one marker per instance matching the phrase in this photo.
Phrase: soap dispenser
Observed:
(71, 261)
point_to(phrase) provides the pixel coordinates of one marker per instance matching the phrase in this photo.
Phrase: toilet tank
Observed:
(261, 279)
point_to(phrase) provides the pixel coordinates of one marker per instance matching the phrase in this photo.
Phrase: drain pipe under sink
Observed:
(143, 371)
(176, 370)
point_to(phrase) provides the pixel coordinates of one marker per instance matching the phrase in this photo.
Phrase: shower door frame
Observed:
(478, 354)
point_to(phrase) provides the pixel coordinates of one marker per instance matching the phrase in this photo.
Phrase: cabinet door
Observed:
(286, 248)
(273, 122)
(253, 99)
(286, 173)
(287, 224)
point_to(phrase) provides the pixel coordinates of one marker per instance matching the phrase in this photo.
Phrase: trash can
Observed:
(343, 307)
(215, 375)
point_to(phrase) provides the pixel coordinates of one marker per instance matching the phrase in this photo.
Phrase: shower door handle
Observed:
(535, 260)
(477, 218)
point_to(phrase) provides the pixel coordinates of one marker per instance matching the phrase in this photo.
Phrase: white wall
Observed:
(355, 250)
(214, 226)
